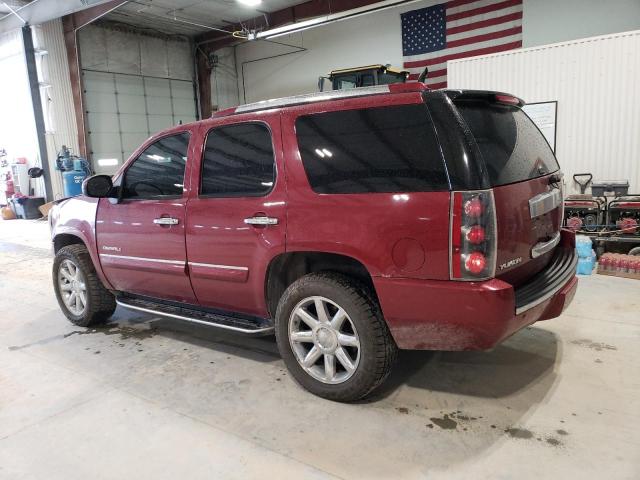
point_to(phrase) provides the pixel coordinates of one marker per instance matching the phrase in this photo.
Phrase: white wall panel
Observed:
(154, 60)
(123, 51)
(180, 60)
(595, 82)
(224, 80)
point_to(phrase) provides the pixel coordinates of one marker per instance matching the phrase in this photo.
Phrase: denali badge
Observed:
(511, 263)
(111, 249)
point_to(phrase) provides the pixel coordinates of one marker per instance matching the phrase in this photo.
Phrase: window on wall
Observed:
(159, 170)
(388, 149)
(238, 161)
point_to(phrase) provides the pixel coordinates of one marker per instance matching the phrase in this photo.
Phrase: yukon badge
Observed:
(511, 263)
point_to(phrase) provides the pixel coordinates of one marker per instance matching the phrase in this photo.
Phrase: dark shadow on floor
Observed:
(260, 349)
(521, 361)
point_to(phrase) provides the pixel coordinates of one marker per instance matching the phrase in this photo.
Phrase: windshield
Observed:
(512, 147)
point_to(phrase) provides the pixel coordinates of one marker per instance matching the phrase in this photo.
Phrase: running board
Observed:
(246, 325)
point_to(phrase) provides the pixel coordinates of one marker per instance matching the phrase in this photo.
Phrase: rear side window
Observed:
(512, 147)
(388, 149)
(238, 161)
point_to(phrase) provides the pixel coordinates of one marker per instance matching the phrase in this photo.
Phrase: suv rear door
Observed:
(237, 212)
(518, 164)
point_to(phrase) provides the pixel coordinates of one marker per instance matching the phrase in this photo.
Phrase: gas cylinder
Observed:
(72, 179)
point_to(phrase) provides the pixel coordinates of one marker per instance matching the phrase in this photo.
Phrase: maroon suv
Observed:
(351, 223)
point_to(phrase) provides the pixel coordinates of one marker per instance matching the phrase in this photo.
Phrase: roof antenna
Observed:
(423, 75)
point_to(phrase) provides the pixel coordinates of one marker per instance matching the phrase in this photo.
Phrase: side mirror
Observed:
(97, 186)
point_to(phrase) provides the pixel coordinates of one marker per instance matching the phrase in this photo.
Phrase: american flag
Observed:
(457, 29)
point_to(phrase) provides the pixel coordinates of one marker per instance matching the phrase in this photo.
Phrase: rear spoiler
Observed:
(488, 96)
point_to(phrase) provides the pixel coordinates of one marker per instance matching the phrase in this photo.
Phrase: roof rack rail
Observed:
(320, 97)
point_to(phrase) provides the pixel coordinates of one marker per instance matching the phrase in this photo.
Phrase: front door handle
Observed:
(166, 221)
(262, 221)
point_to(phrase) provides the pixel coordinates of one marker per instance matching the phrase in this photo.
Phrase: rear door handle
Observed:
(541, 248)
(261, 221)
(166, 221)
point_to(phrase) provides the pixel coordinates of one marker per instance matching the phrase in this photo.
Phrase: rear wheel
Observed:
(333, 338)
(79, 291)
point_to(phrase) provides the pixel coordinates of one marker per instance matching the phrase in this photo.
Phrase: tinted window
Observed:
(512, 147)
(390, 149)
(238, 161)
(367, 80)
(385, 78)
(159, 170)
(344, 82)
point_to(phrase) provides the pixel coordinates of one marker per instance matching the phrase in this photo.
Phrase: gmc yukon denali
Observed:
(350, 223)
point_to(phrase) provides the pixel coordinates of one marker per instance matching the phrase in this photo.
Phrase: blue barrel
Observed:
(72, 182)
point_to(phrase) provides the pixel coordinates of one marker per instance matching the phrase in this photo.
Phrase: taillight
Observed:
(473, 235)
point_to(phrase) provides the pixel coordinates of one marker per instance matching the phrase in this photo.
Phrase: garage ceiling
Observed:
(191, 17)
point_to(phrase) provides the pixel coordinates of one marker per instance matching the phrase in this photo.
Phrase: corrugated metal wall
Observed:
(57, 98)
(596, 83)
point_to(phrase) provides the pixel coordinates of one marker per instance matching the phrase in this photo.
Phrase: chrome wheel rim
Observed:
(324, 340)
(73, 288)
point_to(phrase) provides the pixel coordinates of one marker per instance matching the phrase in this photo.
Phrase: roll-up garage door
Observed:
(123, 110)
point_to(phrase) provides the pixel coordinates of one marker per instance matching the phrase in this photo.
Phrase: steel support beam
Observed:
(38, 115)
(41, 11)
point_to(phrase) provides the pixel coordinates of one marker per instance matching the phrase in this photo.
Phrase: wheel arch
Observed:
(287, 267)
(64, 239)
(75, 237)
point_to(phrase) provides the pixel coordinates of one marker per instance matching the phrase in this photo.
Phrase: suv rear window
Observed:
(387, 149)
(512, 147)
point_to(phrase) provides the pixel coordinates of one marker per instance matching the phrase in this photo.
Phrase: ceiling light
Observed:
(250, 3)
(325, 19)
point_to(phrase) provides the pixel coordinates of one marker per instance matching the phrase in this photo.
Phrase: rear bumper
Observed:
(447, 315)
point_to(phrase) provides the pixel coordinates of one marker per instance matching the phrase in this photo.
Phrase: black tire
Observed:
(101, 303)
(634, 251)
(378, 351)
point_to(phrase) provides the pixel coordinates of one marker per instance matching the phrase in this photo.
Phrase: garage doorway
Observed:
(135, 84)
(122, 110)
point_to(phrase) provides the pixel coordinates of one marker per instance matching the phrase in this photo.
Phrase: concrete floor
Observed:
(150, 398)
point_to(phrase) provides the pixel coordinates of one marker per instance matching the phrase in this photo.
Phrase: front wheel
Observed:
(332, 337)
(80, 293)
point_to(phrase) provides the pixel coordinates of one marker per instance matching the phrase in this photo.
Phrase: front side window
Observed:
(238, 161)
(387, 149)
(159, 170)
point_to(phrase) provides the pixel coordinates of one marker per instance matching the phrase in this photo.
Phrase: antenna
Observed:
(423, 75)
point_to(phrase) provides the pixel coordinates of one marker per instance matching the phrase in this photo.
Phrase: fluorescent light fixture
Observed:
(320, 153)
(108, 162)
(325, 19)
(327, 152)
(250, 3)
